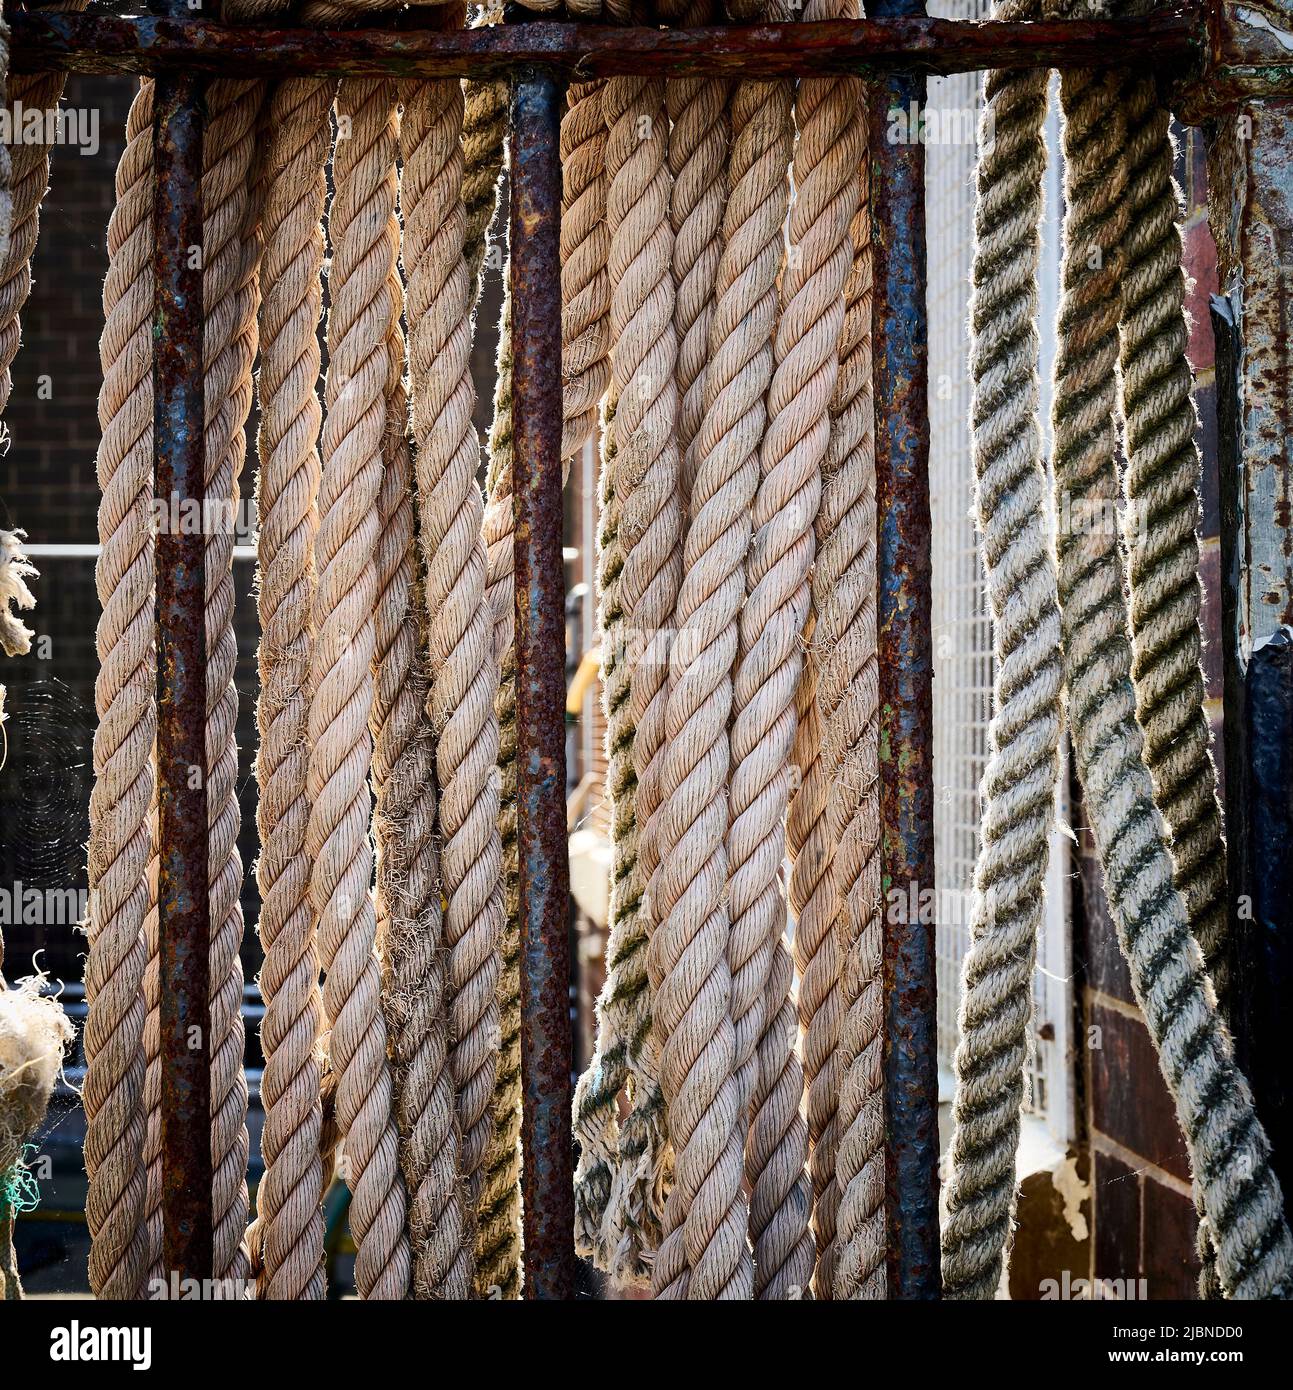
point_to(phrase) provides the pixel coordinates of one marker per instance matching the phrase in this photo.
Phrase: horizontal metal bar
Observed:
(148, 44)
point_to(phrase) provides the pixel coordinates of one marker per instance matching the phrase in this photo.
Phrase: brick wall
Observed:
(1142, 1213)
(47, 487)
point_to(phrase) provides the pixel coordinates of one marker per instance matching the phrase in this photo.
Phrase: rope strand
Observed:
(364, 242)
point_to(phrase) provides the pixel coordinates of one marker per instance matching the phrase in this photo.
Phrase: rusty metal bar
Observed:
(541, 688)
(110, 43)
(1250, 181)
(900, 345)
(182, 898)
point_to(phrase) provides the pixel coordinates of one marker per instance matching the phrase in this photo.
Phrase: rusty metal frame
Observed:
(1221, 61)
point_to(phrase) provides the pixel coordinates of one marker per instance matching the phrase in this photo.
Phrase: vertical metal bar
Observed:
(540, 688)
(1250, 174)
(182, 896)
(900, 345)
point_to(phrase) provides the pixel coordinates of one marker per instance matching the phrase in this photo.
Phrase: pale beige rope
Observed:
(628, 1057)
(125, 698)
(848, 696)
(288, 1234)
(364, 249)
(463, 667)
(699, 134)
(828, 153)
(498, 1228)
(623, 1010)
(409, 919)
(704, 1253)
(230, 253)
(706, 1225)
(484, 140)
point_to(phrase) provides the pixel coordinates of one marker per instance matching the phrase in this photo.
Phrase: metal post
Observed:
(540, 688)
(1250, 175)
(182, 898)
(900, 345)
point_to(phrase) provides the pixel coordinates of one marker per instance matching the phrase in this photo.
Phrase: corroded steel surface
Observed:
(183, 901)
(109, 43)
(546, 1059)
(906, 698)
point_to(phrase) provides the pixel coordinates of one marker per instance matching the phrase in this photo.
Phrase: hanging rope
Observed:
(126, 703)
(498, 1237)
(484, 138)
(230, 252)
(364, 242)
(716, 279)
(843, 652)
(463, 668)
(1228, 1149)
(289, 1246)
(699, 137)
(409, 921)
(637, 579)
(1162, 481)
(1019, 781)
(827, 160)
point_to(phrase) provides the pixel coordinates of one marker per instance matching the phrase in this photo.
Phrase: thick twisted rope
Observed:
(699, 135)
(289, 1228)
(230, 253)
(120, 845)
(484, 139)
(827, 159)
(703, 1252)
(364, 242)
(844, 652)
(409, 918)
(620, 1179)
(498, 1232)
(708, 1100)
(463, 668)
(639, 301)
(1162, 481)
(1229, 1151)
(1019, 780)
